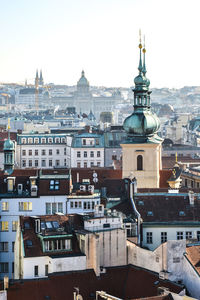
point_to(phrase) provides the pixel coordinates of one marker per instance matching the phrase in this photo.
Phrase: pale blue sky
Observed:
(100, 36)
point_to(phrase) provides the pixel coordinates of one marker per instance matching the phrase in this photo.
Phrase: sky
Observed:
(62, 37)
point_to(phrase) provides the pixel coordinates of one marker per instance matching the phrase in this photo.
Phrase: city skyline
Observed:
(101, 37)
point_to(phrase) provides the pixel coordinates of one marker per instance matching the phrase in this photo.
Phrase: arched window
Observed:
(139, 162)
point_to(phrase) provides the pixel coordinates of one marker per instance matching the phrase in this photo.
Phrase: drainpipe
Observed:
(133, 183)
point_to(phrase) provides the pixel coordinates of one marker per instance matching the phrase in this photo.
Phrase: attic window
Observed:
(29, 243)
(181, 213)
(149, 213)
(26, 225)
(140, 202)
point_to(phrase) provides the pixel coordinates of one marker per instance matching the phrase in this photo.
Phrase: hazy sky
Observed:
(100, 36)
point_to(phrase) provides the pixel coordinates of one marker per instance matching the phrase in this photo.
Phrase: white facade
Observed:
(191, 278)
(82, 204)
(87, 157)
(10, 210)
(41, 151)
(153, 236)
(61, 264)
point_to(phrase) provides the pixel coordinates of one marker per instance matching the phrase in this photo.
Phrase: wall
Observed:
(64, 264)
(148, 177)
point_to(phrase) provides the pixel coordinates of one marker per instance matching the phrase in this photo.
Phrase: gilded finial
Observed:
(140, 39)
(176, 158)
(144, 49)
(8, 123)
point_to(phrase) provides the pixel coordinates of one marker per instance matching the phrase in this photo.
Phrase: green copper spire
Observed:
(142, 126)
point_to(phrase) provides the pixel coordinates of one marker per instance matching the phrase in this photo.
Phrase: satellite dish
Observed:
(95, 179)
(94, 174)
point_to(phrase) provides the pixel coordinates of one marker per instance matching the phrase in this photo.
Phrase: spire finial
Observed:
(144, 65)
(140, 47)
(8, 123)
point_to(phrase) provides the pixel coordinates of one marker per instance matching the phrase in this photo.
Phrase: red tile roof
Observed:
(126, 282)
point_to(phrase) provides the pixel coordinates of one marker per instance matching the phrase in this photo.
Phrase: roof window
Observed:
(181, 213)
(29, 243)
(149, 213)
(26, 225)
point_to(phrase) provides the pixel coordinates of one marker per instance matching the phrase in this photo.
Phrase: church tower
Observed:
(9, 153)
(41, 80)
(142, 148)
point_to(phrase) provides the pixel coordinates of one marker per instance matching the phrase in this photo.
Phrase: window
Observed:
(29, 152)
(84, 141)
(98, 153)
(46, 270)
(52, 208)
(50, 163)
(85, 153)
(179, 235)
(50, 152)
(3, 246)
(78, 154)
(25, 206)
(36, 271)
(43, 163)
(36, 163)
(36, 152)
(26, 225)
(139, 163)
(4, 206)
(57, 162)
(23, 141)
(30, 140)
(91, 153)
(57, 151)
(188, 235)
(29, 243)
(50, 140)
(78, 164)
(186, 182)
(106, 225)
(36, 140)
(97, 141)
(85, 164)
(14, 225)
(13, 246)
(54, 185)
(198, 235)
(192, 183)
(149, 236)
(23, 163)
(30, 163)
(43, 152)
(23, 152)
(43, 140)
(4, 267)
(92, 164)
(4, 225)
(63, 140)
(176, 259)
(163, 237)
(57, 245)
(65, 151)
(13, 267)
(57, 140)
(98, 164)
(114, 157)
(65, 162)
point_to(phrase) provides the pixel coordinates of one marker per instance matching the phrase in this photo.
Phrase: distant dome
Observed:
(8, 145)
(144, 123)
(83, 80)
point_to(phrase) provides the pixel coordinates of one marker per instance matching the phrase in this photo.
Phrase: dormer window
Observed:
(181, 213)
(50, 140)
(149, 213)
(29, 243)
(23, 140)
(43, 140)
(57, 140)
(26, 225)
(10, 183)
(36, 141)
(140, 202)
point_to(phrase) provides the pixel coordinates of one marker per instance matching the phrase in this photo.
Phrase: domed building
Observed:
(142, 148)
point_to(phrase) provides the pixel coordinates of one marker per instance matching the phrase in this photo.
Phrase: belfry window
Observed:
(139, 162)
